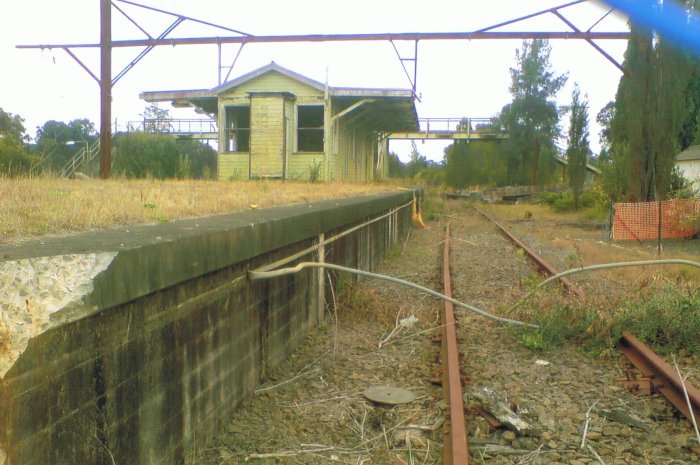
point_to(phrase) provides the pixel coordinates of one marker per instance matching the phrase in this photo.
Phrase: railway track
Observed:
(455, 447)
(320, 403)
(542, 265)
(455, 450)
(657, 374)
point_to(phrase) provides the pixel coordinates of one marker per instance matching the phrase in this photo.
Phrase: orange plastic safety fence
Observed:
(640, 221)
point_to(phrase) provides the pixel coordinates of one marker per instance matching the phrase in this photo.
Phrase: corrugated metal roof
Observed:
(691, 153)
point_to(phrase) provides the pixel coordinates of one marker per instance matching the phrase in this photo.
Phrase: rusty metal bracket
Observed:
(639, 385)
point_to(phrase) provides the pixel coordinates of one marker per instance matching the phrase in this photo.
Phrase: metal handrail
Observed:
(173, 126)
(84, 155)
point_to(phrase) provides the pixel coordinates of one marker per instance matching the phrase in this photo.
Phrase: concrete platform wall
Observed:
(174, 336)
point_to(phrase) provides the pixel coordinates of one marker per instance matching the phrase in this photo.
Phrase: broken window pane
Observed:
(238, 129)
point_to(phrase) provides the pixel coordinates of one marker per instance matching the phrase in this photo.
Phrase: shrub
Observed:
(15, 160)
(663, 315)
(550, 197)
(564, 201)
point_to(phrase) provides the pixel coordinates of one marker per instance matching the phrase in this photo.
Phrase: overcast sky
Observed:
(455, 78)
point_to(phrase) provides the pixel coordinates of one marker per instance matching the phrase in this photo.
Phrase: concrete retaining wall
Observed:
(173, 336)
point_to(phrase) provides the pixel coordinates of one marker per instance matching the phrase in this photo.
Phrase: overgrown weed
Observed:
(432, 205)
(663, 314)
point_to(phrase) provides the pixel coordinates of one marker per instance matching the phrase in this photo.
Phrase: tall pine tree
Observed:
(578, 150)
(656, 113)
(532, 117)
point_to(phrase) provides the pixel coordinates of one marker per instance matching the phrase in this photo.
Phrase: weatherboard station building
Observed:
(275, 123)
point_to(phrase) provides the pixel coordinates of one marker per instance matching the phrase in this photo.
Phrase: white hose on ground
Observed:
(602, 266)
(254, 275)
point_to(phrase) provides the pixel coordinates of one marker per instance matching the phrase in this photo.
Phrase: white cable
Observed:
(603, 266)
(315, 247)
(255, 275)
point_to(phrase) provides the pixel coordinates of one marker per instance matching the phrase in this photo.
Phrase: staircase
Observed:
(84, 155)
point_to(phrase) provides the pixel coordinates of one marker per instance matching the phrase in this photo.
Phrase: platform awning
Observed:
(382, 110)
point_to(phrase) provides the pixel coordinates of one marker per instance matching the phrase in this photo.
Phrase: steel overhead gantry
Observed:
(106, 44)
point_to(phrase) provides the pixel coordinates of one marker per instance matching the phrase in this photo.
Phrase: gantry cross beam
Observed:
(106, 44)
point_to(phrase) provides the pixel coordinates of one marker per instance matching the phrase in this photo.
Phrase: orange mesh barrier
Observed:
(640, 221)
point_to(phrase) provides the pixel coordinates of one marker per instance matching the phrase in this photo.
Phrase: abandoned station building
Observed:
(275, 123)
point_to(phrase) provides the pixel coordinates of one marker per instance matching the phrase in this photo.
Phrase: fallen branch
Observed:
(303, 372)
(495, 449)
(496, 404)
(288, 453)
(584, 431)
(402, 324)
(300, 375)
(620, 416)
(595, 455)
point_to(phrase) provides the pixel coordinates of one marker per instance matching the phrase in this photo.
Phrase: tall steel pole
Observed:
(105, 88)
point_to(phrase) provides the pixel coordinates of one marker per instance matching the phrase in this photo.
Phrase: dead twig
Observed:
(584, 428)
(687, 400)
(308, 369)
(383, 433)
(531, 457)
(595, 454)
(335, 314)
(288, 453)
(300, 375)
(321, 401)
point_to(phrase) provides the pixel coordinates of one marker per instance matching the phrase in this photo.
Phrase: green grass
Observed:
(663, 315)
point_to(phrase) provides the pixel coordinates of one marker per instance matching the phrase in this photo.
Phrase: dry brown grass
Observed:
(5, 341)
(563, 235)
(39, 206)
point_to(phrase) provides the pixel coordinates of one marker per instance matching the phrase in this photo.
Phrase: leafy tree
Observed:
(578, 150)
(395, 167)
(12, 127)
(141, 155)
(156, 119)
(416, 163)
(613, 176)
(200, 158)
(604, 119)
(14, 158)
(57, 142)
(653, 118)
(532, 117)
(432, 175)
(478, 162)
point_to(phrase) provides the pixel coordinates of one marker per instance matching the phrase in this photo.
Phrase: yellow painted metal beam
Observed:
(446, 135)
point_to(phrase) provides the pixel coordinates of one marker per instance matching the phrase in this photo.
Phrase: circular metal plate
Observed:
(389, 395)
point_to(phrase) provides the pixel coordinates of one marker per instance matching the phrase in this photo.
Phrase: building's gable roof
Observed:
(272, 67)
(691, 153)
(156, 96)
(391, 110)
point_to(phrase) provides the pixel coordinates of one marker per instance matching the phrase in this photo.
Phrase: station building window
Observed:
(310, 128)
(238, 128)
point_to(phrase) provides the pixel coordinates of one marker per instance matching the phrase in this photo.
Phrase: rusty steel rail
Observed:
(664, 378)
(455, 450)
(543, 265)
